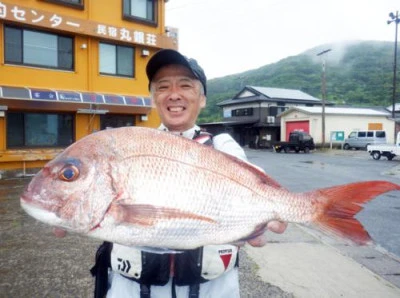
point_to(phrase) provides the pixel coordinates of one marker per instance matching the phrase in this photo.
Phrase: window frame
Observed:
(362, 134)
(67, 3)
(116, 61)
(243, 112)
(381, 134)
(111, 120)
(129, 17)
(21, 49)
(23, 115)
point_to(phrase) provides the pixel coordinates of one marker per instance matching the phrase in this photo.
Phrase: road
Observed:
(304, 172)
(36, 264)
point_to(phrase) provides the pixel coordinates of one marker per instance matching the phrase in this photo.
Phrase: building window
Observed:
(78, 4)
(117, 60)
(70, 1)
(140, 10)
(39, 130)
(115, 120)
(274, 111)
(35, 48)
(242, 112)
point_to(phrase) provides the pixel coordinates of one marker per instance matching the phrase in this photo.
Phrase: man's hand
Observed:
(275, 226)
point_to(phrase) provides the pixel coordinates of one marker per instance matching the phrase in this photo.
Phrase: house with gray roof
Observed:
(252, 115)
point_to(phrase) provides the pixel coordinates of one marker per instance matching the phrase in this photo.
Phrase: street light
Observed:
(323, 95)
(394, 18)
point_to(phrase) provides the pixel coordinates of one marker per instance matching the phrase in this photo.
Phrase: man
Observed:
(178, 89)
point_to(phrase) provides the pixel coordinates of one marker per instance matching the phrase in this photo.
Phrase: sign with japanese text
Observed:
(92, 98)
(43, 94)
(134, 101)
(45, 19)
(337, 136)
(69, 96)
(25, 93)
(114, 99)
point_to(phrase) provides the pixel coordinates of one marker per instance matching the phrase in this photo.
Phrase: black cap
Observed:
(167, 57)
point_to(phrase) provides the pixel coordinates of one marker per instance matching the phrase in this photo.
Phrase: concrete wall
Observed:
(346, 123)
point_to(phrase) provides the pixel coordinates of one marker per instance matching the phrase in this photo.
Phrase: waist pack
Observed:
(190, 267)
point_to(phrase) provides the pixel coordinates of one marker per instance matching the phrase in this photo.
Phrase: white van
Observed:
(362, 138)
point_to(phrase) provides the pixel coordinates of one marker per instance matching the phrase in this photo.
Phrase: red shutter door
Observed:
(297, 126)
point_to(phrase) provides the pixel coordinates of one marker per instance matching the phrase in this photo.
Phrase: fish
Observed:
(143, 187)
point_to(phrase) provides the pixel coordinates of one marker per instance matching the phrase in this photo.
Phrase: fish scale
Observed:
(143, 187)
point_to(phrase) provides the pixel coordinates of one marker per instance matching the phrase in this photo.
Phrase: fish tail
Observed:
(339, 204)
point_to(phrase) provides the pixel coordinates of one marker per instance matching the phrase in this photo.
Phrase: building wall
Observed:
(91, 17)
(333, 123)
(85, 77)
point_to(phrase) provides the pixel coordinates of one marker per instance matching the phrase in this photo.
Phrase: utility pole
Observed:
(394, 18)
(323, 90)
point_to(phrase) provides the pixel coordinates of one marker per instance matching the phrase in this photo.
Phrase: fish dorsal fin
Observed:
(263, 176)
(259, 172)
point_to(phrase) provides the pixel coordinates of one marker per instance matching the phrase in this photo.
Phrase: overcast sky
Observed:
(232, 36)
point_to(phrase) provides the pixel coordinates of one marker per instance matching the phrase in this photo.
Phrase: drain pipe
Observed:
(24, 174)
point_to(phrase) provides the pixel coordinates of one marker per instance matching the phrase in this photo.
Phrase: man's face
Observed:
(177, 96)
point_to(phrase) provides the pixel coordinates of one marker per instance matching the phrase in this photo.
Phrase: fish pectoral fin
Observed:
(147, 215)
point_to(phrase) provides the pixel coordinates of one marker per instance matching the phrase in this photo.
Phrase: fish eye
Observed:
(69, 173)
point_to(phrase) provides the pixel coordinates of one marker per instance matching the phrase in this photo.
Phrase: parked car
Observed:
(298, 141)
(387, 150)
(362, 138)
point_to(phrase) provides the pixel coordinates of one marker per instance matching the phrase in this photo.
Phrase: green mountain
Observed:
(358, 73)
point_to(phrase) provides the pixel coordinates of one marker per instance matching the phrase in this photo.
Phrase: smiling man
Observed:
(178, 87)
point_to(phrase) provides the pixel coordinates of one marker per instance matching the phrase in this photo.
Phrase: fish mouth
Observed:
(40, 213)
(26, 199)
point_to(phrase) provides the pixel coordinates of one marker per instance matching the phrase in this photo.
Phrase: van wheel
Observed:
(306, 150)
(346, 147)
(376, 155)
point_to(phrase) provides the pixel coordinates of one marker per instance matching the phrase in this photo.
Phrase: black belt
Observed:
(194, 291)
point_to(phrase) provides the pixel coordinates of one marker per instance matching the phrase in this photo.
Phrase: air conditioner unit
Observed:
(271, 119)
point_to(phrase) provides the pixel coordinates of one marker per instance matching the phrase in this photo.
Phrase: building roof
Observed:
(257, 94)
(396, 107)
(338, 111)
(284, 93)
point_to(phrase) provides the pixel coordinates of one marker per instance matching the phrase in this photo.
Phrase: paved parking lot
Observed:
(36, 264)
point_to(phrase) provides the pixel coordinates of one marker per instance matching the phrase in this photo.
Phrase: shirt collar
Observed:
(190, 133)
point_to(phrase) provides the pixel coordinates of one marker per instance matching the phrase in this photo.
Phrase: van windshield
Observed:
(353, 134)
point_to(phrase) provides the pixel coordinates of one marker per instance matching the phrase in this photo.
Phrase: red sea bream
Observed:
(144, 187)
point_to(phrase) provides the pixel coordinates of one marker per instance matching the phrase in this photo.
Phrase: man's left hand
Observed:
(275, 226)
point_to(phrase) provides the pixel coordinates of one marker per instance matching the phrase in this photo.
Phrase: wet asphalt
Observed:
(34, 263)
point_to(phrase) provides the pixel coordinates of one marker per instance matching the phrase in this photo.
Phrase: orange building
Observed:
(71, 67)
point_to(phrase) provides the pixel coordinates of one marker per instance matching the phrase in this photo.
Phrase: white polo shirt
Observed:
(224, 286)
